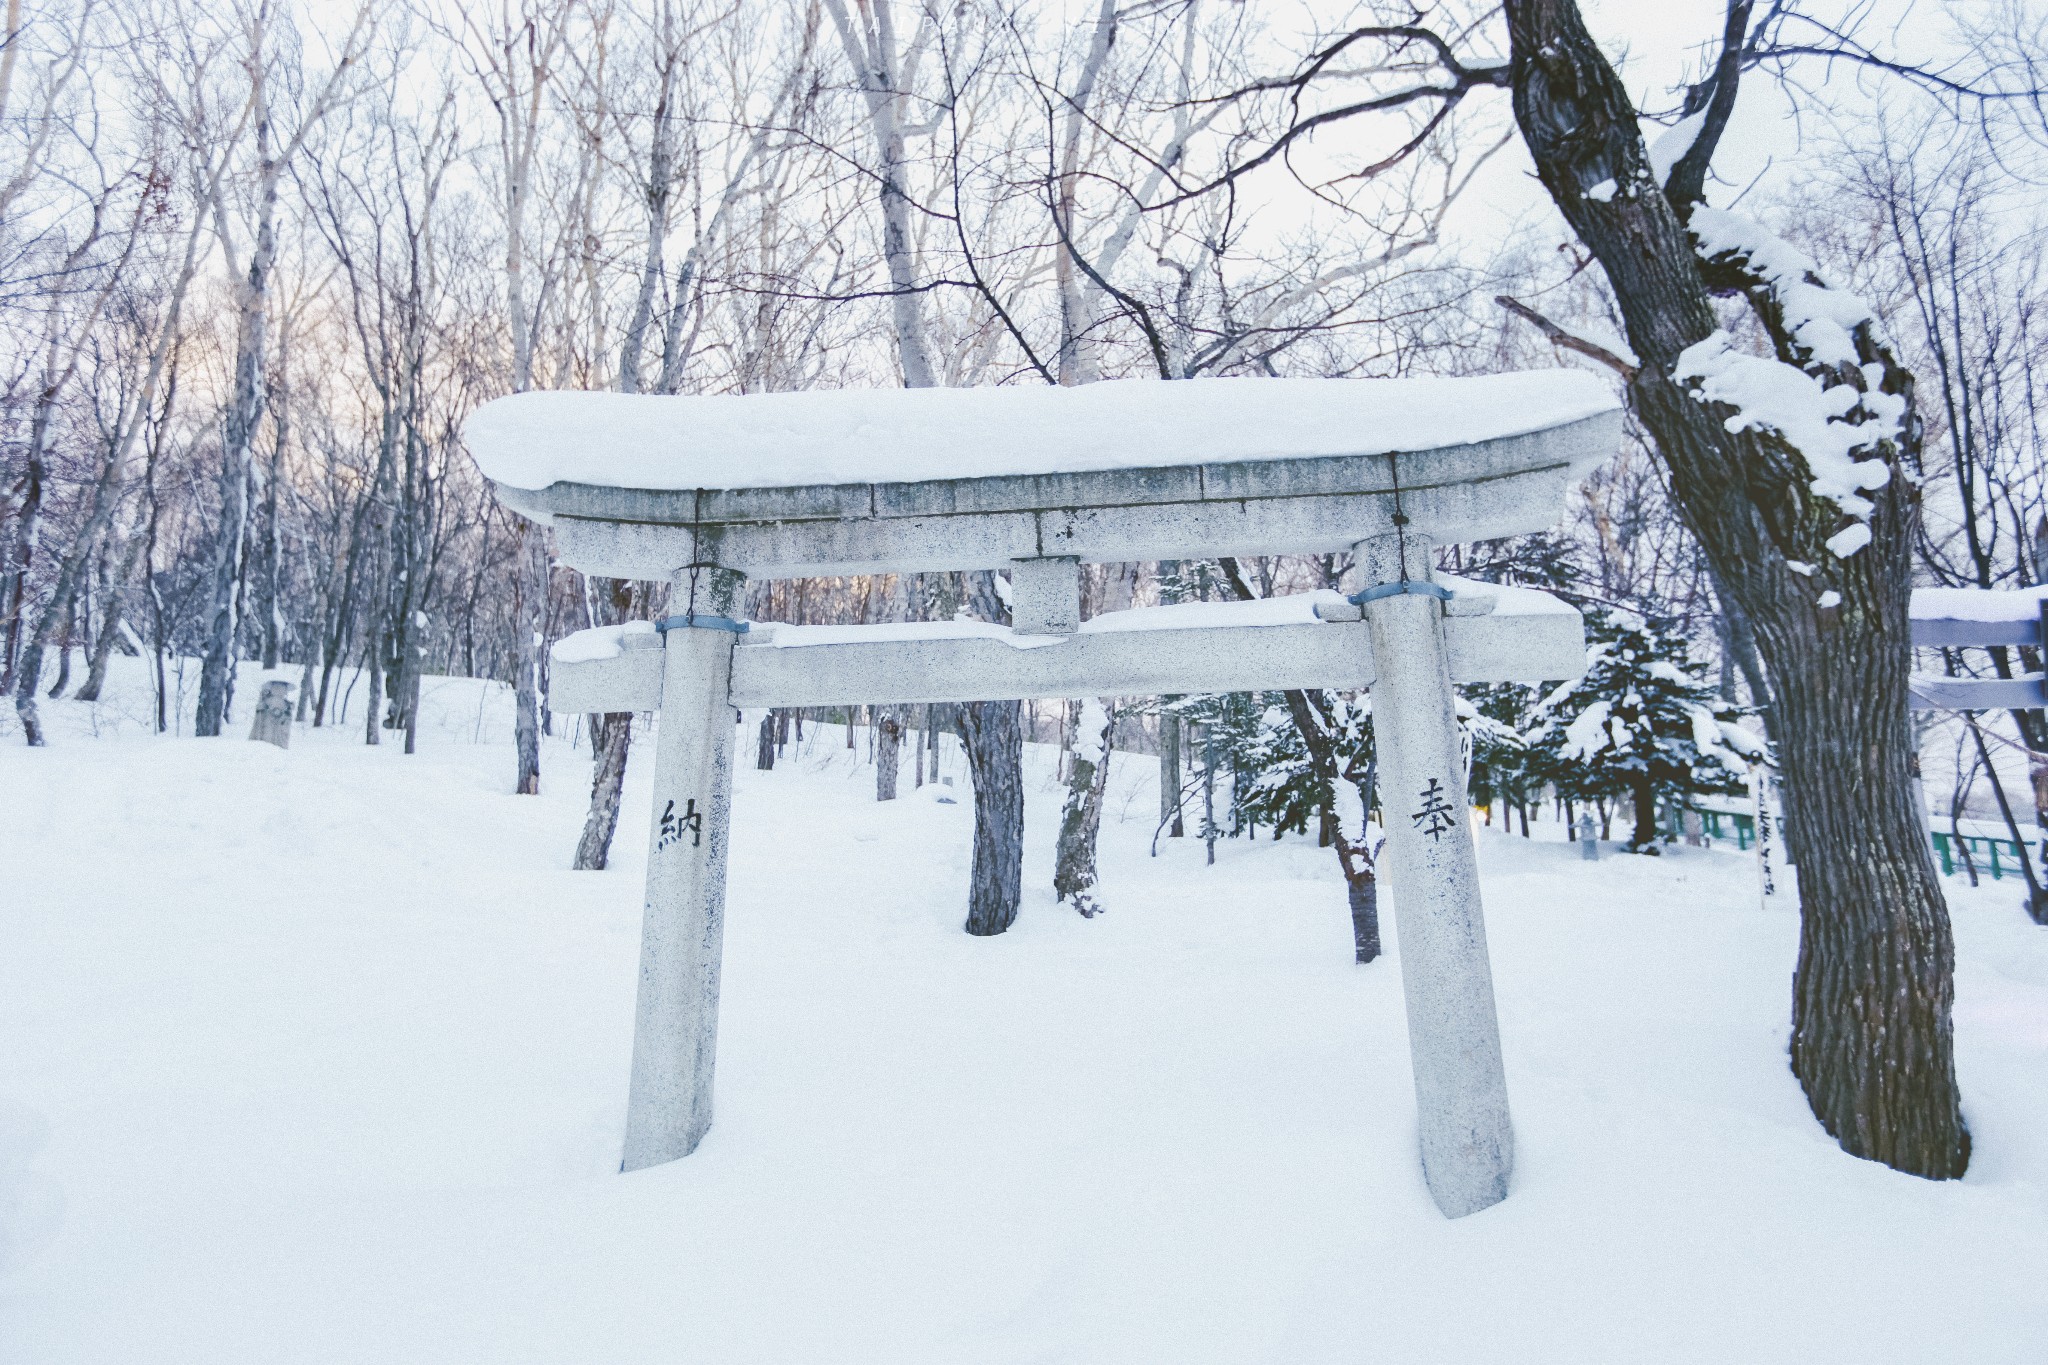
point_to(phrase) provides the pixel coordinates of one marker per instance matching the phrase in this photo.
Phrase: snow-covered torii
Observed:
(705, 492)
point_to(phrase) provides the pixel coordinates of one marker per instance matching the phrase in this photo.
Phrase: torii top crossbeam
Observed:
(900, 480)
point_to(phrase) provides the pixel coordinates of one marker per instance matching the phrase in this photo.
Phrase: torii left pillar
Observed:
(675, 1026)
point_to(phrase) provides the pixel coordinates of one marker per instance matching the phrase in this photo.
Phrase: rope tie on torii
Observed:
(1403, 586)
(690, 620)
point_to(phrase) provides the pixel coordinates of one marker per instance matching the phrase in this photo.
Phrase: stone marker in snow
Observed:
(273, 721)
(703, 492)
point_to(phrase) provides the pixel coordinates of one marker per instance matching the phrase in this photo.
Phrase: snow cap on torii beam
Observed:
(891, 480)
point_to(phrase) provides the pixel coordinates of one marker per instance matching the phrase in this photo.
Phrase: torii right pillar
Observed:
(1461, 1095)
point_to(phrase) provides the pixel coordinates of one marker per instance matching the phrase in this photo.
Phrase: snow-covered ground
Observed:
(320, 1055)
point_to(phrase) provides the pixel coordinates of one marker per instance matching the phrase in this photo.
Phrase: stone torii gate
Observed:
(705, 492)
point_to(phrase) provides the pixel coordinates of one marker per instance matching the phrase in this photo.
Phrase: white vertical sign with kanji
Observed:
(1770, 861)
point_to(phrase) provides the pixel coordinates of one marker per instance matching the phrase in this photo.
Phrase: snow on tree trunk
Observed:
(888, 752)
(1081, 816)
(246, 401)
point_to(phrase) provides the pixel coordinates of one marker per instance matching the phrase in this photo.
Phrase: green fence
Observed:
(1990, 856)
(1986, 854)
(1717, 825)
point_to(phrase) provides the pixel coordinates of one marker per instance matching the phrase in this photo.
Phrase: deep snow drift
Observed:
(320, 1056)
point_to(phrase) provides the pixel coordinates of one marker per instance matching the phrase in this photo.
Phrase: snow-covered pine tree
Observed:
(1281, 787)
(1283, 783)
(1220, 728)
(1502, 768)
(1639, 723)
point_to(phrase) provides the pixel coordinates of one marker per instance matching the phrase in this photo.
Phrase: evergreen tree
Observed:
(1639, 723)
(1502, 768)
(1282, 788)
(1220, 729)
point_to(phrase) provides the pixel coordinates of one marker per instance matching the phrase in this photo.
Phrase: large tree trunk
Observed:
(271, 545)
(1871, 1033)
(994, 737)
(1363, 887)
(1073, 873)
(993, 733)
(64, 642)
(1644, 794)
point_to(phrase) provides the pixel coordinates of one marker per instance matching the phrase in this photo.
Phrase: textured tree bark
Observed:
(994, 736)
(871, 48)
(1644, 840)
(888, 752)
(996, 764)
(1871, 1032)
(611, 739)
(526, 616)
(1169, 776)
(270, 544)
(373, 692)
(764, 744)
(1363, 888)
(1073, 875)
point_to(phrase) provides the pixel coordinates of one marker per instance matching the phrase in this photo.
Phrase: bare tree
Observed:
(512, 56)
(280, 117)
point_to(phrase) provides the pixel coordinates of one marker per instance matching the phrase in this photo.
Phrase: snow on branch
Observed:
(1819, 318)
(1672, 144)
(1828, 423)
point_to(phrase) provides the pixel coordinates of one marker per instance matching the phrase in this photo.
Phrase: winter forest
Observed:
(355, 1007)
